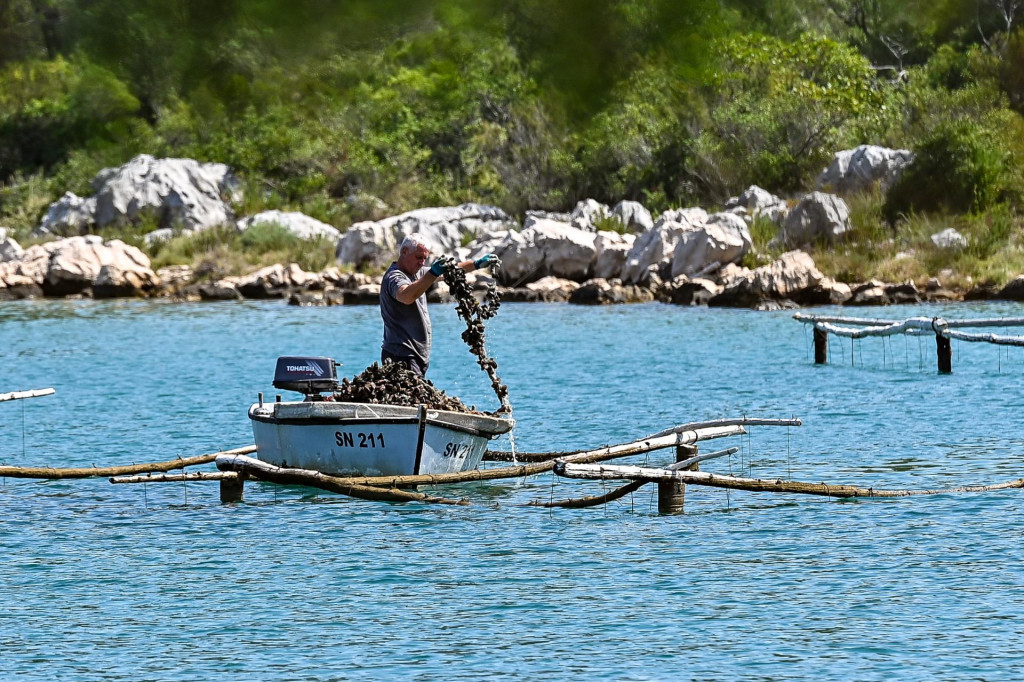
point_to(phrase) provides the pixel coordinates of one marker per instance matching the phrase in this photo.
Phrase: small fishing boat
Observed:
(363, 439)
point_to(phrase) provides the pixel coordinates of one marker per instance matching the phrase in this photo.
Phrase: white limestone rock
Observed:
(536, 214)
(792, 276)
(610, 249)
(588, 213)
(444, 229)
(179, 192)
(276, 281)
(76, 263)
(947, 239)
(116, 281)
(183, 192)
(33, 264)
(723, 239)
(554, 287)
(754, 202)
(683, 290)
(599, 291)
(164, 234)
(653, 249)
(633, 215)
(871, 292)
(545, 248)
(69, 215)
(367, 243)
(10, 250)
(521, 261)
(854, 170)
(817, 216)
(568, 251)
(175, 277)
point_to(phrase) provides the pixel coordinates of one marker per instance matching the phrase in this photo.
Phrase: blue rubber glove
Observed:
(437, 268)
(485, 261)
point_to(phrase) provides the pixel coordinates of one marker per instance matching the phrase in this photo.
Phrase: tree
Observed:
(31, 29)
(776, 110)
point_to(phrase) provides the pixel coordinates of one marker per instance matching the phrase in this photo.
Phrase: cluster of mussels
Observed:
(474, 312)
(392, 384)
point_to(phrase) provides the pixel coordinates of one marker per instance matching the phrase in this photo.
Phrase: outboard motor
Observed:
(308, 376)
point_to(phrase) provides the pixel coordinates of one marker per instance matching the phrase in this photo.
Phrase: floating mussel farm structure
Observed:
(943, 330)
(237, 466)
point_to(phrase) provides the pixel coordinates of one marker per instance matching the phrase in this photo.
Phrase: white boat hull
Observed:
(370, 440)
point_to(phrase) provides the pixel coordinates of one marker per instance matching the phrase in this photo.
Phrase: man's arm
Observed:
(408, 293)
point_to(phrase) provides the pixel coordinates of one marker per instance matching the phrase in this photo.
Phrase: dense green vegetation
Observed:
(324, 107)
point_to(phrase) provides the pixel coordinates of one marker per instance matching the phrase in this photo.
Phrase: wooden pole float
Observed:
(820, 346)
(685, 464)
(611, 496)
(177, 478)
(249, 466)
(505, 456)
(635, 473)
(235, 462)
(672, 492)
(736, 421)
(509, 456)
(21, 395)
(592, 501)
(85, 472)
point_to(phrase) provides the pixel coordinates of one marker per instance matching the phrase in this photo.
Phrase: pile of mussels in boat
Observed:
(392, 384)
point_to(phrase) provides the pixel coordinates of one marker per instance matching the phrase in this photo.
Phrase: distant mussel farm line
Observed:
(944, 331)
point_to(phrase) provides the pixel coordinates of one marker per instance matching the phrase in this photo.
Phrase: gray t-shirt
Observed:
(407, 330)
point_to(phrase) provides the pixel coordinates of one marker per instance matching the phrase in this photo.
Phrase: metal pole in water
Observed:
(671, 494)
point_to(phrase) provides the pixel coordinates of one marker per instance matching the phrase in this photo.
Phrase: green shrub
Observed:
(263, 237)
(988, 234)
(959, 168)
(49, 108)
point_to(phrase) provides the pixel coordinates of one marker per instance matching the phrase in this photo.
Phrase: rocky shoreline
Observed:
(88, 267)
(595, 255)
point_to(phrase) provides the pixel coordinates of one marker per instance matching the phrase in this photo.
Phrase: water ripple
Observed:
(163, 583)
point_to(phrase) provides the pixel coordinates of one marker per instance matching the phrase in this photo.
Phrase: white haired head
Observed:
(411, 243)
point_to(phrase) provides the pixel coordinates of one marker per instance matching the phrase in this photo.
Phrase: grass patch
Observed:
(223, 251)
(609, 223)
(23, 201)
(994, 253)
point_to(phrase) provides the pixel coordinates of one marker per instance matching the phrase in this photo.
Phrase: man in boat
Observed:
(403, 303)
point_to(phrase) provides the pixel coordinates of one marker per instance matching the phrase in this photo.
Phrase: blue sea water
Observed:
(162, 582)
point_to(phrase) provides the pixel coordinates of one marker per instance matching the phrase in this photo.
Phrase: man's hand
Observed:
(485, 261)
(437, 268)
